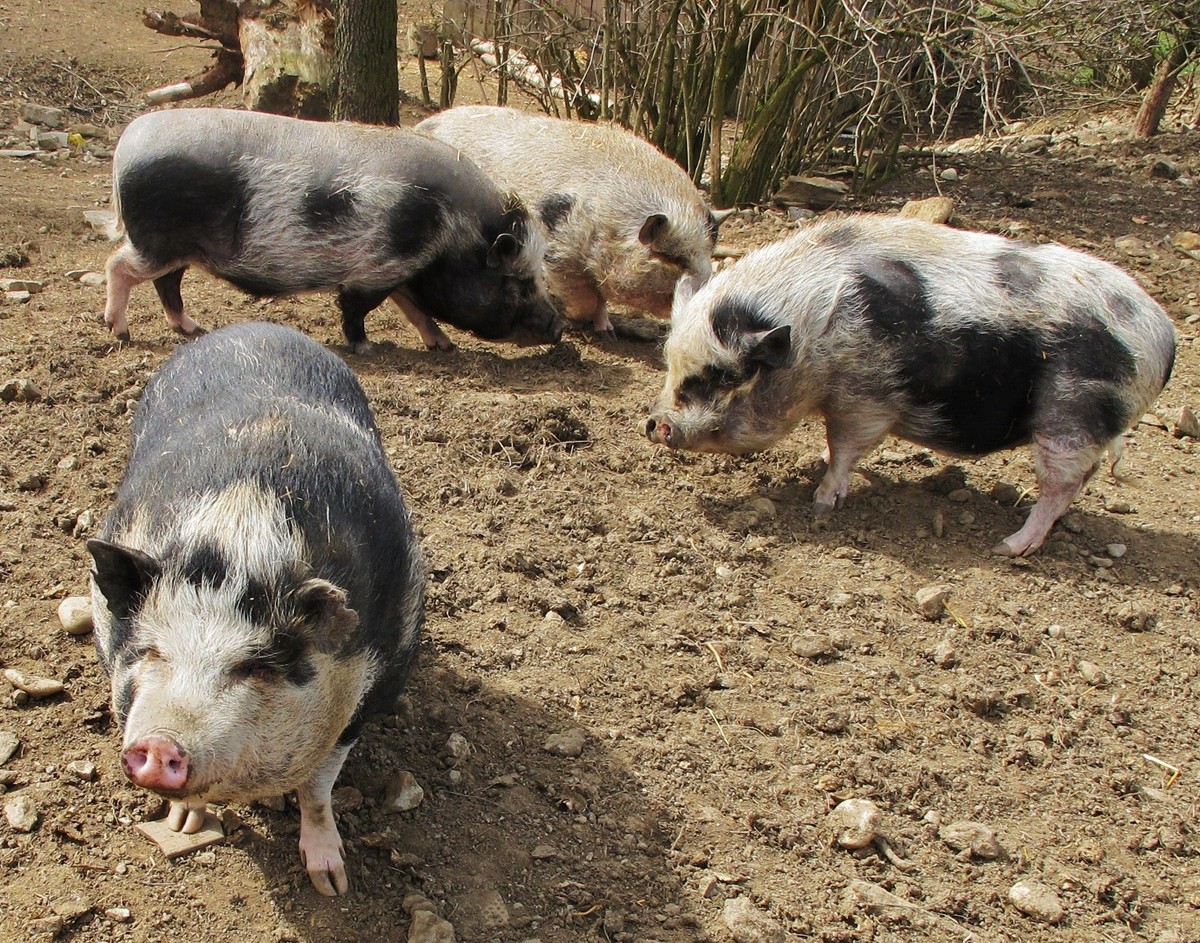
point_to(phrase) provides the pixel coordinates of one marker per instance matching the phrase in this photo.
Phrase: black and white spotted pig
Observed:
(962, 342)
(278, 205)
(624, 222)
(258, 589)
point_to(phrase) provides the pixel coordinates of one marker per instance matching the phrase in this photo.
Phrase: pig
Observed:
(257, 588)
(279, 205)
(963, 342)
(624, 222)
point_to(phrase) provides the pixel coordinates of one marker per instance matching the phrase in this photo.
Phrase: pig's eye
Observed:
(147, 653)
(675, 260)
(256, 669)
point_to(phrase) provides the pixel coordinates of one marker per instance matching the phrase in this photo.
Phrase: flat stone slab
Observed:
(177, 844)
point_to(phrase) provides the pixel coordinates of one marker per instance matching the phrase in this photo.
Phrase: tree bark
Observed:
(1154, 105)
(367, 79)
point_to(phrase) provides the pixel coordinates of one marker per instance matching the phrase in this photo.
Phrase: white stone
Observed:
(569, 743)
(855, 822)
(748, 924)
(1037, 901)
(428, 927)
(22, 813)
(931, 600)
(972, 837)
(403, 793)
(9, 742)
(75, 614)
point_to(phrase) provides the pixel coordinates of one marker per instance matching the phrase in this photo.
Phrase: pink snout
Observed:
(659, 430)
(156, 763)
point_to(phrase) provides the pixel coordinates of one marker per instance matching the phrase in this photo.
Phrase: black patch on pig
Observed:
(255, 603)
(894, 299)
(325, 208)
(1018, 273)
(555, 208)
(981, 384)
(1100, 415)
(353, 730)
(1084, 348)
(415, 220)
(205, 567)
(123, 700)
(464, 292)
(704, 386)
(841, 234)
(167, 287)
(177, 207)
(732, 319)
(288, 654)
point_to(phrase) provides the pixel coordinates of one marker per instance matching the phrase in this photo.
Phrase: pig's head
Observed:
(727, 386)
(641, 267)
(491, 281)
(231, 674)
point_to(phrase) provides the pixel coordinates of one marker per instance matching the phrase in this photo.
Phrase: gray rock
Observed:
(22, 813)
(936, 209)
(42, 115)
(52, 140)
(403, 793)
(84, 770)
(569, 743)
(21, 284)
(17, 297)
(813, 645)
(748, 924)
(20, 391)
(427, 927)
(35, 687)
(9, 744)
(931, 600)
(1186, 424)
(855, 823)
(92, 279)
(1036, 901)
(973, 838)
(18, 152)
(818, 193)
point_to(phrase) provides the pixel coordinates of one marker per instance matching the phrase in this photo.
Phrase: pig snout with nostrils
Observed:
(278, 205)
(624, 222)
(258, 590)
(963, 342)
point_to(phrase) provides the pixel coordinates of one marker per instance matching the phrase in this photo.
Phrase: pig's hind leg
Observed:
(320, 843)
(169, 294)
(1063, 467)
(432, 336)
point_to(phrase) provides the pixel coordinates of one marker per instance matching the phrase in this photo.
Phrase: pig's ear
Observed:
(122, 574)
(503, 251)
(766, 350)
(323, 610)
(685, 289)
(654, 228)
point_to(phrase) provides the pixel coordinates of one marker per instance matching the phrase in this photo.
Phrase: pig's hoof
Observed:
(446, 345)
(821, 508)
(196, 331)
(123, 337)
(363, 348)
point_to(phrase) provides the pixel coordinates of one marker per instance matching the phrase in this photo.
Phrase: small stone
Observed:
(950, 175)
(1165, 169)
(92, 279)
(1006, 494)
(9, 743)
(403, 793)
(1186, 424)
(959, 495)
(42, 115)
(855, 823)
(747, 924)
(1131, 245)
(722, 572)
(1056, 631)
(20, 391)
(53, 140)
(82, 769)
(544, 853)
(931, 600)
(972, 838)
(1092, 674)
(35, 687)
(1136, 617)
(938, 524)
(457, 748)
(483, 910)
(813, 645)
(46, 928)
(554, 618)
(1118, 507)
(841, 600)
(416, 901)
(427, 927)
(18, 297)
(944, 654)
(569, 743)
(1100, 563)
(1036, 901)
(763, 507)
(72, 907)
(75, 614)
(22, 813)
(119, 914)
(936, 209)
(21, 284)
(1072, 523)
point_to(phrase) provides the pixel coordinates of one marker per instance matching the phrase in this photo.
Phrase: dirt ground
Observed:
(737, 667)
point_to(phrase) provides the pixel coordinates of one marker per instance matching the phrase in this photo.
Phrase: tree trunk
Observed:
(279, 52)
(1154, 105)
(367, 79)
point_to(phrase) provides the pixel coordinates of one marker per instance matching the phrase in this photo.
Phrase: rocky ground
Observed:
(649, 679)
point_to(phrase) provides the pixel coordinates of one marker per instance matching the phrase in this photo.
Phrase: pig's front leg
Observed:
(186, 816)
(320, 844)
(432, 336)
(849, 439)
